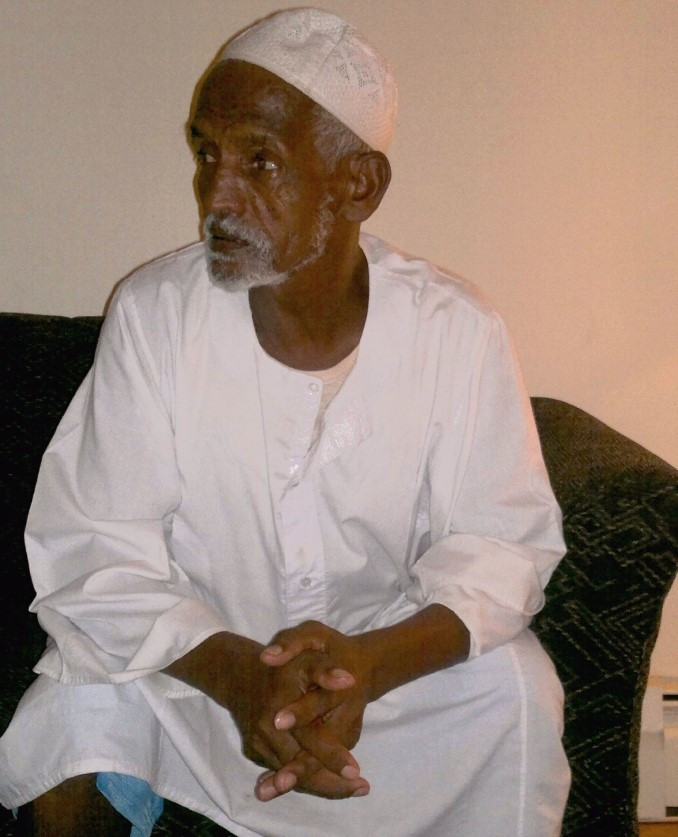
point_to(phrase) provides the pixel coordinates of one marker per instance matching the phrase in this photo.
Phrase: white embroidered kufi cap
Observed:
(328, 60)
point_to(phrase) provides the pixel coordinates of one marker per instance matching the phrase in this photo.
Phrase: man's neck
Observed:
(315, 318)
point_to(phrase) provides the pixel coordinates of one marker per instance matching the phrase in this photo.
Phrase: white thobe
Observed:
(182, 495)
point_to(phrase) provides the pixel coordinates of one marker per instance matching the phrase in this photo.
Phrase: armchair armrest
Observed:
(600, 622)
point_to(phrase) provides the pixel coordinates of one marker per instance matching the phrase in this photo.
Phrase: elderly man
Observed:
(288, 538)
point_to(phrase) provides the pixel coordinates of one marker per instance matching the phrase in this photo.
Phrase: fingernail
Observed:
(286, 782)
(266, 793)
(284, 720)
(361, 792)
(340, 674)
(273, 650)
(350, 772)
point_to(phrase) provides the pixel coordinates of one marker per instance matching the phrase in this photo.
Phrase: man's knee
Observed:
(71, 809)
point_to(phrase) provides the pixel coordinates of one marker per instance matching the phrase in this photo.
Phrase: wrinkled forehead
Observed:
(238, 92)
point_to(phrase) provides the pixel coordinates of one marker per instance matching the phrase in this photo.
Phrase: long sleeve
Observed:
(114, 603)
(498, 539)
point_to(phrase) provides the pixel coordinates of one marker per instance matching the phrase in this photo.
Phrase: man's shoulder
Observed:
(174, 273)
(162, 296)
(427, 282)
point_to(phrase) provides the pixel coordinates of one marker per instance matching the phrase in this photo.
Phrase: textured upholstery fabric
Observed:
(620, 505)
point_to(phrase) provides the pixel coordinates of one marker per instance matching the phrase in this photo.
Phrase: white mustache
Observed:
(232, 227)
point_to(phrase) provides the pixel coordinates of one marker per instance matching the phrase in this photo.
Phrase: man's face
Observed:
(262, 187)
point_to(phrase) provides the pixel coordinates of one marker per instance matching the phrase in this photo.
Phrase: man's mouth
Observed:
(220, 241)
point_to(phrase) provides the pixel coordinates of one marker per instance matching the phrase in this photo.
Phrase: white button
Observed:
(313, 388)
(306, 582)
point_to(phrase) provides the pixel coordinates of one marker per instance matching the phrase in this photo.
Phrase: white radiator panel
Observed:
(658, 758)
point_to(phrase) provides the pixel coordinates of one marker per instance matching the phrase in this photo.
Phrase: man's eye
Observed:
(203, 156)
(263, 163)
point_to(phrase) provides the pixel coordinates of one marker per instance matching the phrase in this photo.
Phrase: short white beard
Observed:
(253, 267)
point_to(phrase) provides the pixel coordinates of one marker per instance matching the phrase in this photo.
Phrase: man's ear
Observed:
(367, 177)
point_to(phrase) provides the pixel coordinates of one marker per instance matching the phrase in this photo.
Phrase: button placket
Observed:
(301, 536)
(307, 406)
(304, 555)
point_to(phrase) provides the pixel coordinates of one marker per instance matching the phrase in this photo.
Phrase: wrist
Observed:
(433, 639)
(370, 661)
(220, 667)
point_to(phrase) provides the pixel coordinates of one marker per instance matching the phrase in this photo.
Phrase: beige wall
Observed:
(537, 154)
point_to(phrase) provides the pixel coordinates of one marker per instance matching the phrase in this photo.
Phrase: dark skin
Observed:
(299, 702)
(72, 808)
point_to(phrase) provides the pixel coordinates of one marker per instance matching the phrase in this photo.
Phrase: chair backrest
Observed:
(42, 361)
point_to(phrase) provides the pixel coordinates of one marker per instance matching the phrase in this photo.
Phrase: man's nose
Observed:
(221, 190)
